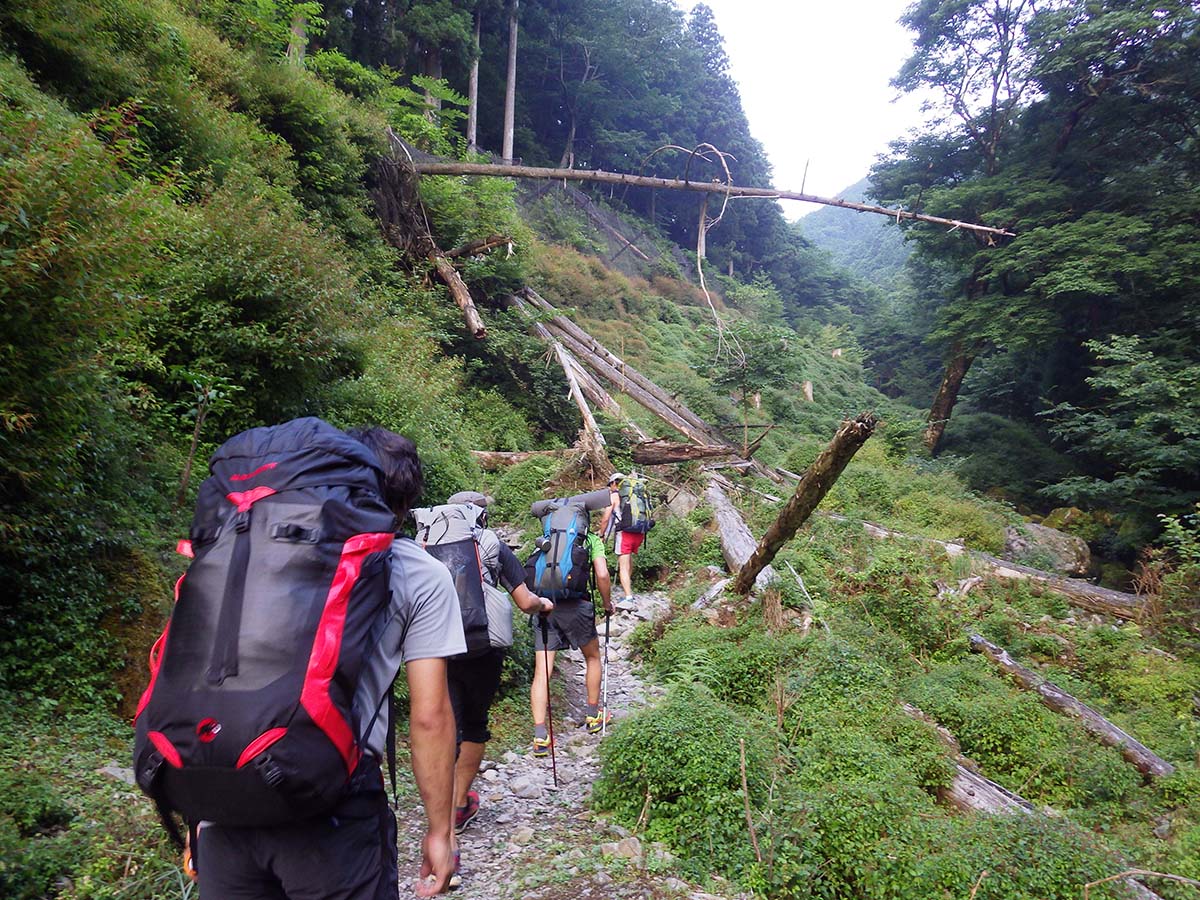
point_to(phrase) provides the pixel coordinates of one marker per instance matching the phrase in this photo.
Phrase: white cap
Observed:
(616, 476)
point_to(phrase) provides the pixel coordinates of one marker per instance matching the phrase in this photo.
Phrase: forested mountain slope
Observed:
(864, 244)
(191, 245)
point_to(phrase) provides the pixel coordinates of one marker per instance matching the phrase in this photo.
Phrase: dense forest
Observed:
(191, 199)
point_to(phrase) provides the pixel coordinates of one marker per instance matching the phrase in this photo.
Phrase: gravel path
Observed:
(534, 840)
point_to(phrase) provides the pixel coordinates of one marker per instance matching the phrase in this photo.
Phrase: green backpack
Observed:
(635, 505)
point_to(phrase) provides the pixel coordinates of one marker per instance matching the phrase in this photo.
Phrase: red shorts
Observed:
(628, 542)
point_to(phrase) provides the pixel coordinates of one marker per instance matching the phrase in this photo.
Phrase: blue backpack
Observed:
(560, 569)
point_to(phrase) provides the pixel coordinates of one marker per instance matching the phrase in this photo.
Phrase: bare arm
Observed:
(603, 583)
(528, 601)
(431, 734)
(612, 511)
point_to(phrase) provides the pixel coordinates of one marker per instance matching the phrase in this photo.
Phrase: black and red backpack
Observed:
(248, 717)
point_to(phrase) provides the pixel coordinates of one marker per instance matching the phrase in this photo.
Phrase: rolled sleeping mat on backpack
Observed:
(471, 497)
(593, 500)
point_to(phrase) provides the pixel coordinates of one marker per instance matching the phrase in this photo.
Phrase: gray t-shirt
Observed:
(424, 622)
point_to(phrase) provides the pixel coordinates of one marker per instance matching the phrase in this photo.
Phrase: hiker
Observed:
(475, 678)
(306, 516)
(573, 621)
(628, 515)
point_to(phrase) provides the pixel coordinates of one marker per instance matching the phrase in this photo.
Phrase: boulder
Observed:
(682, 503)
(1048, 549)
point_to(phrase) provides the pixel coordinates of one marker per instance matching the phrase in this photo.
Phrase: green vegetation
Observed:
(188, 248)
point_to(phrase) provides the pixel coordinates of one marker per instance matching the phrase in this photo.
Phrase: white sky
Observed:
(813, 75)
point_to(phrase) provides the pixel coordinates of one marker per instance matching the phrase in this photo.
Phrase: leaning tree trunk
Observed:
(947, 395)
(473, 89)
(510, 86)
(814, 485)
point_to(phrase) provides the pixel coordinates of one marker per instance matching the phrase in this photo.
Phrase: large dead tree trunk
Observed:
(970, 791)
(589, 385)
(657, 452)
(988, 233)
(947, 396)
(737, 543)
(625, 373)
(510, 85)
(1145, 760)
(476, 247)
(815, 483)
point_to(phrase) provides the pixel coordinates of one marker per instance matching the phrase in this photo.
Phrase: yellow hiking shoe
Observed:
(541, 747)
(595, 724)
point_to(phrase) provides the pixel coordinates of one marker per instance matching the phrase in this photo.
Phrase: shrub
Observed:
(1018, 741)
(679, 761)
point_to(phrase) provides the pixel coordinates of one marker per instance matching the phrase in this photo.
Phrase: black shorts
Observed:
(473, 685)
(350, 855)
(571, 624)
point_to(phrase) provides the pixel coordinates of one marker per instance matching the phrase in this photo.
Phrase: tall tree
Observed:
(510, 85)
(972, 55)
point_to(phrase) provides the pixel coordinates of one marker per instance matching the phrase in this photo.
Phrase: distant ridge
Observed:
(869, 246)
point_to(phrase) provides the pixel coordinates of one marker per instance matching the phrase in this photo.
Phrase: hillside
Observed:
(196, 240)
(869, 246)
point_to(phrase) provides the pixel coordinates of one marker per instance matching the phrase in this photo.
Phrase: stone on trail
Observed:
(522, 835)
(119, 773)
(526, 788)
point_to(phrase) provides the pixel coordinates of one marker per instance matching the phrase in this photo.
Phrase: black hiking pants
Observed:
(350, 855)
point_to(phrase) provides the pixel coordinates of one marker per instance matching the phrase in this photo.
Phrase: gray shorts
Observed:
(571, 624)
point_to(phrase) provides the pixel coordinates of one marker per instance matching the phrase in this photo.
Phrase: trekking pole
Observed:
(604, 715)
(549, 712)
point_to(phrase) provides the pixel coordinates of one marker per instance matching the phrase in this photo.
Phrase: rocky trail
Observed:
(534, 840)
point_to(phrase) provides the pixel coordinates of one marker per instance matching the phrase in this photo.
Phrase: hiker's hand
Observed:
(437, 865)
(547, 605)
(609, 609)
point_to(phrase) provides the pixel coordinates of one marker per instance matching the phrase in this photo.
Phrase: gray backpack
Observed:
(453, 534)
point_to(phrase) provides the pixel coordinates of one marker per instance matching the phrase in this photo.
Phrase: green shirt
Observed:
(595, 545)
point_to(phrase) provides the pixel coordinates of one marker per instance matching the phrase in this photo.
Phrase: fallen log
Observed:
(737, 543)
(1083, 594)
(627, 372)
(404, 224)
(490, 460)
(628, 380)
(589, 385)
(591, 439)
(969, 790)
(615, 378)
(1142, 758)
(709, 187)
(659, 452)
(815, 483)
(474, 248)
(461, 294)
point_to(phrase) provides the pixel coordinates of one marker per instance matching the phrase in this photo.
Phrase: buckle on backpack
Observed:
(270, 773)
(241, 521)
